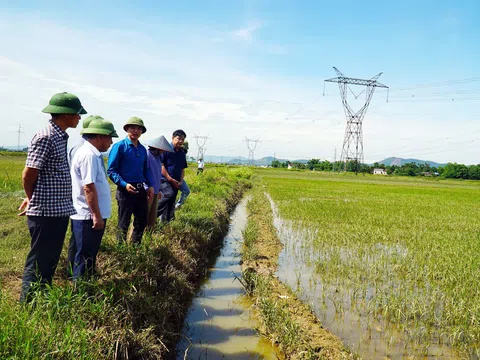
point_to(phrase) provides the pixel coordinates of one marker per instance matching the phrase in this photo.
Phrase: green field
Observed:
(136, 307)
(403, 250)
(408, 249)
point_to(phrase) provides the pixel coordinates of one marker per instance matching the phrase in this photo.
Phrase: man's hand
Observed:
(23, 207)
(98, 223)
(150, 195)
(131, 189)
(175, 183)
(159, 195)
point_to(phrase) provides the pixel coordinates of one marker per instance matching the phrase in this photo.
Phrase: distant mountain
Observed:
(265, 161)
(400, 161)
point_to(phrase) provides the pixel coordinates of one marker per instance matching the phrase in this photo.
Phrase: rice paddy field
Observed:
(403, 254)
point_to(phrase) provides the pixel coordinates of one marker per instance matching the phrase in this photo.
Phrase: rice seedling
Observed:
(401, 251)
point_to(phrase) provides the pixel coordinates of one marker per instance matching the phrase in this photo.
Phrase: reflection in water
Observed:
(337, 305)
(219, 324)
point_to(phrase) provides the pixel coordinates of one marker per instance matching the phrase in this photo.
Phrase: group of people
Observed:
(61, 186)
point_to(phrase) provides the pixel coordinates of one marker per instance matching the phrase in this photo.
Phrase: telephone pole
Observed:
(251, 145)
(352, 149)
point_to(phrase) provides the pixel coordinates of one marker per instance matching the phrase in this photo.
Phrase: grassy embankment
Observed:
(135, 309)
(404, 251)
(284, 318)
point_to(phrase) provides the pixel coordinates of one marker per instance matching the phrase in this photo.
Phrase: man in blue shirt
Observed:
(127, 168)
(173, 171)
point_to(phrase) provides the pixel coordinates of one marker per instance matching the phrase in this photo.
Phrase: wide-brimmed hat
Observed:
(99, 126)
(86, 122)
(64, 103)
(135, 121)
(160, 143)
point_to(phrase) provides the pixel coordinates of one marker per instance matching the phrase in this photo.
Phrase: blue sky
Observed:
(235, 69)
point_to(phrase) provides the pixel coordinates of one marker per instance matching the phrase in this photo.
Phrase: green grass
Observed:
(406, 249)
(10, 168)
(135, 309)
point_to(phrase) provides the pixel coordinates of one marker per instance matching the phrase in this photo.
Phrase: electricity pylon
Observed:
(251, 145)
(352, 150)
(201, 141)
(19, 132)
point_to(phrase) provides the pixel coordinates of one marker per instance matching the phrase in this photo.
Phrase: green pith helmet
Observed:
(135, 121)
(64, 103)
(87, 121)
(99, 126)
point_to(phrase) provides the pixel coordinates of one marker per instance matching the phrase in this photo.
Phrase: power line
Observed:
(437, 84)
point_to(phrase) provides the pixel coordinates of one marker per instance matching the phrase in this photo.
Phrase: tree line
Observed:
(449, 171)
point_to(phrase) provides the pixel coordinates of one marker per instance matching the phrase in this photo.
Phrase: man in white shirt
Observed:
(201, 165)
(91, 195)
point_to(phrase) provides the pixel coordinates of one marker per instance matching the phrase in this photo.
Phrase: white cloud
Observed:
(196, 85)
(246, 33)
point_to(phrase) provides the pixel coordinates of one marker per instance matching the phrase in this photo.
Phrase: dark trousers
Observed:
(128, 205)
(87, 242)
(72, 251)
(166, 205)
(48, 235)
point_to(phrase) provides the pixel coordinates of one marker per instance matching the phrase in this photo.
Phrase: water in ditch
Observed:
(220, 324)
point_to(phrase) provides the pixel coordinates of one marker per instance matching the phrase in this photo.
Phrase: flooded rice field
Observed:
(344, 309)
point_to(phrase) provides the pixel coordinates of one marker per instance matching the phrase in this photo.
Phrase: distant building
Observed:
(379, 171)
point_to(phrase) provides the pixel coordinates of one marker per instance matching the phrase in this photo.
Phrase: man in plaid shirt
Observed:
(48, 186)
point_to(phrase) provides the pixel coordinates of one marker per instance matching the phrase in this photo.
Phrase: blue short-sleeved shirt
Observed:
(174, 163)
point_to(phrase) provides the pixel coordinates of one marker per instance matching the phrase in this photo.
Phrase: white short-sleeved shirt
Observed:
(88, 168)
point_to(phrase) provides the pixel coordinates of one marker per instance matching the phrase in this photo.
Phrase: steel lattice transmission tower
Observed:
(251, 145)
(19, 132)
(201, 141)
(352, 150)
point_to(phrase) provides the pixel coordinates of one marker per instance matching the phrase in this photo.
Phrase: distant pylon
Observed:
(201, 141)
(19, 131)
(251, 145)
(352, 149)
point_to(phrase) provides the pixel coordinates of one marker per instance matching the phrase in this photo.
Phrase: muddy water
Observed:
(361, 332)
(219, 324)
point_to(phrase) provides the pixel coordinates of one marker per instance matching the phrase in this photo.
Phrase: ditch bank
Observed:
(220, 323)
(285, 320)
(137, 306)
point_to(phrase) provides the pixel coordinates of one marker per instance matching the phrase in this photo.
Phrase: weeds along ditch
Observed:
(404, 252)
(284, 318)
(136, 307)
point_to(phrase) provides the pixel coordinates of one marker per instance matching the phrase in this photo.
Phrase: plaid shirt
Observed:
(52, 195)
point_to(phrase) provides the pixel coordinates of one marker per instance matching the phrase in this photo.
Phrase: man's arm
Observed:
(38, 154)
(114, 166)
(167, 176)
(92, 200)
(29, 179)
